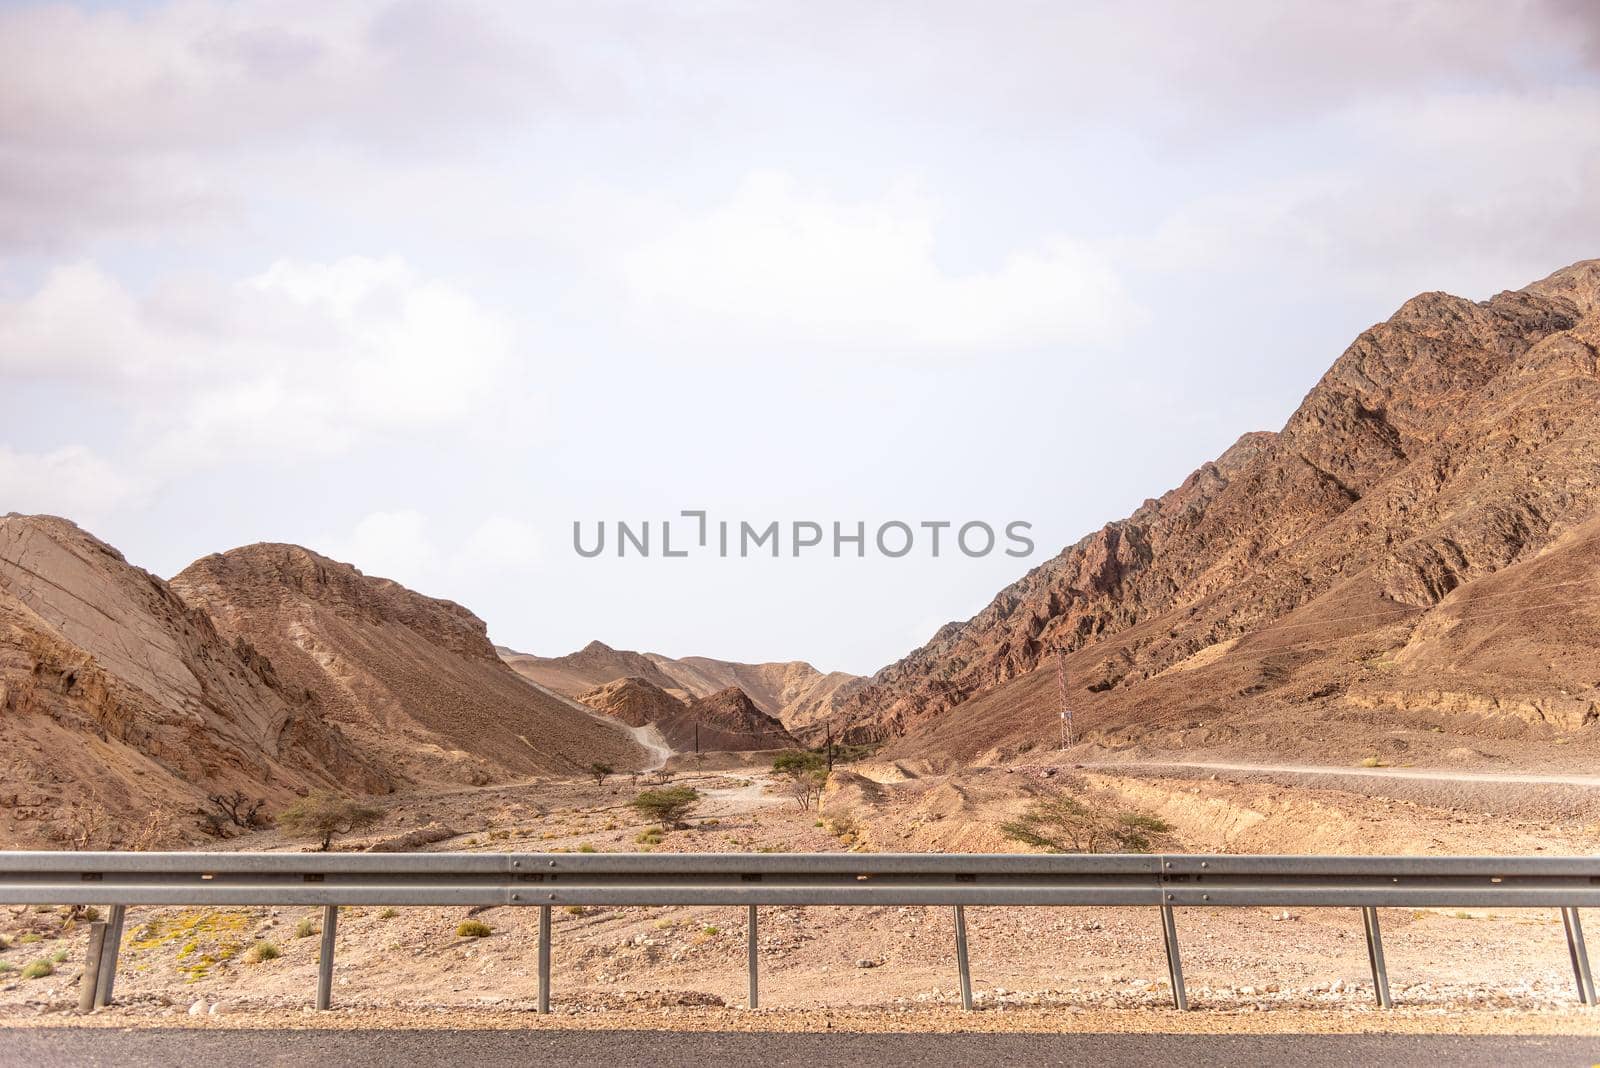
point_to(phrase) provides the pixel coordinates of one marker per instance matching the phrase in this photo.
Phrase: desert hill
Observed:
(793, 692)
(725, 721)
(412, 680)
(1419, 541)
(118, 700)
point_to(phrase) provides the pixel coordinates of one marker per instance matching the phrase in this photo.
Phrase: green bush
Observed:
(38, 969)
(669, 807)
(263, 951)
(305, 928)
(472, 929)
(324, 814)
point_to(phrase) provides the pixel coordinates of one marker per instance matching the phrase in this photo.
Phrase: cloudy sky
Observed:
(419, 284)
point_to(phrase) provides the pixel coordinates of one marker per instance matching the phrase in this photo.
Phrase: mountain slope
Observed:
(725, 721)
(411, 680)
(1331, 569)
(794, 692)
(116, 696)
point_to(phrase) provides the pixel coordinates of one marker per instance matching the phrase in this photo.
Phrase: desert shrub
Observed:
(586, 848)
(650, 836)
(58, 957)
(388, 914)
(669, 807)
(1065, 823)
(263, 951)
(574, 910)
(472, 929)
(38, 969)
(1373, 762)
(305, 928)
(600, 770)
(324, 814)
(709, 930)
(29, 937)
(805, 774)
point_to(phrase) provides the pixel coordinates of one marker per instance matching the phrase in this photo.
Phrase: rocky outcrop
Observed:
(413, 681)
(118, 700)
(635, 701)
(725, 721)
(1449, 444)
(797, 694)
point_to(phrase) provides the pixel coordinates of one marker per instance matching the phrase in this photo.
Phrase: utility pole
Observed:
(1066, 712)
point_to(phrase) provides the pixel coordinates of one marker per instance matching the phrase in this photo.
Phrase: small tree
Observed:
(805, 775)
(1062, 823)
(667, 807)
(600, 770)
(324, 814)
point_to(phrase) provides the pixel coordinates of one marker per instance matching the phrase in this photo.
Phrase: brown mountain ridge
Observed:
(1419, 542)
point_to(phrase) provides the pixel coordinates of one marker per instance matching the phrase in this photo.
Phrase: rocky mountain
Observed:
(122, 707)
(725, 721)
(413, 681)
(1419, 541)
(794, 692)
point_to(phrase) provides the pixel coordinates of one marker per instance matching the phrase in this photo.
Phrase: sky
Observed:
(420, 285)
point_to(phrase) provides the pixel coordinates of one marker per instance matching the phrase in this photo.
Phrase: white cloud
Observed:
(781, 265)
(501, 546)
(393, 545)
(304, 358)
(72, 481)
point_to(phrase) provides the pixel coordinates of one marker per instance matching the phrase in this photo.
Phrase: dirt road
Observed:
(1422, 774)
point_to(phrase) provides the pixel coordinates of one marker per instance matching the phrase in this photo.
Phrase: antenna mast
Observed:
(1066, 712)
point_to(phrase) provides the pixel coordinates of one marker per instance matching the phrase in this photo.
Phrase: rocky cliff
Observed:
(1451, 450)
(122, 707)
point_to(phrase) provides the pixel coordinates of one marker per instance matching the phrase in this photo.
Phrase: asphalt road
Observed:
(164, 1048)
(1421, 774)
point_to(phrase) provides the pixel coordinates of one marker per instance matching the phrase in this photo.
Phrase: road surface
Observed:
(164, 1047)
(1424, 774)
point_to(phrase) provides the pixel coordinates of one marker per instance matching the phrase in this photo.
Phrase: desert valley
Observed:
(1372, 631)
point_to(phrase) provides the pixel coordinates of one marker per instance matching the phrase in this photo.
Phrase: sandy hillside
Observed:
(412, 680)
(119, 702)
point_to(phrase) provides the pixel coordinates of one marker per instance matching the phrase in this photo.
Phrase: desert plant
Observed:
(305, 928)
(323, 814)
(600, 769)
(472, 929)
(668, 807)
(805, 773)
(388, 914)
(238, 809)
(586, 848)
(263, 951)
(650, 836)
(38, 969)
(1064, 823)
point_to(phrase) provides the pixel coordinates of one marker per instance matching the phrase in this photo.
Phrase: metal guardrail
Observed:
(545, 880)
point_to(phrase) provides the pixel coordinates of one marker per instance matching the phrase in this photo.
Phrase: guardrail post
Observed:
(544, 958)
(961, 959)
(750, 952)
(106, 981)
(1380, 974)
(91, 967)
(330, 931)
(1169, 935)
(1579, 953)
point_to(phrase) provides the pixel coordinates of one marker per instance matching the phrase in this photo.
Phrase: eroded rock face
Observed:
(635, 701)
(413, 681)
(116, 695)
(725, 721)
(793, 692)
(1449, 444)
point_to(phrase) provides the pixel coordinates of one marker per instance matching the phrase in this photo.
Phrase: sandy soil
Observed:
(1047, 968)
